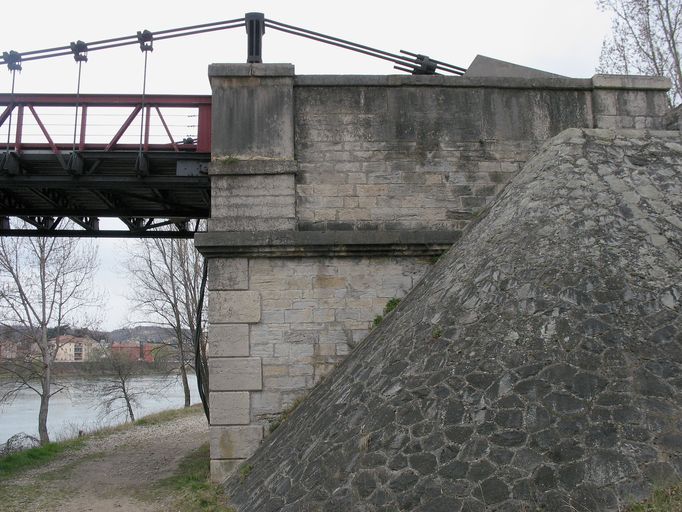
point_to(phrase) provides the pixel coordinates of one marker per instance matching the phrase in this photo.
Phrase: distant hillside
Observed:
(149, 333)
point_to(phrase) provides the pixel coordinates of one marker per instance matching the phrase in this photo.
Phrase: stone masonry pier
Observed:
(332, 195)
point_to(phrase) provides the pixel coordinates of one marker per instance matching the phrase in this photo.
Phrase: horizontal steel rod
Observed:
(76, 233)
(105, 100)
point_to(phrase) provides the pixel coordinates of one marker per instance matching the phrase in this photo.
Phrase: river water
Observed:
(79, 407)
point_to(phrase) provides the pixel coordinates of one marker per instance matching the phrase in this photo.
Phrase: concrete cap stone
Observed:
(659, 83)
(230, 70)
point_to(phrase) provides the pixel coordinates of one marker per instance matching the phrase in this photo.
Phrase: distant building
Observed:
(137, 350)
(8, 349)
(73, 349)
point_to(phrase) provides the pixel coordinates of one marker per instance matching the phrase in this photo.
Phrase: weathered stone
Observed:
(235, 442)
(228, 340)
(230, 408)
(549, 428)
(228, 274)
(234, 307)
(235, 373)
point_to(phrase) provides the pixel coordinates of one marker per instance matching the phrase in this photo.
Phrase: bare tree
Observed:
(45, 284)
(115, 385)
(167, 280)
(645, 40)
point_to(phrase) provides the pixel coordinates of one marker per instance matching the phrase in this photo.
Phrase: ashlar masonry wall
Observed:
(332, 195)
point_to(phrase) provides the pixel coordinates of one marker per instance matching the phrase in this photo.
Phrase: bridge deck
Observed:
(46, 176)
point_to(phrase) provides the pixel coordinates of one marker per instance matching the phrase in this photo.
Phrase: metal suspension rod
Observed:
(103, 44)
(144, 93)
(317, 36)
(9, 120)
(78, 95)
(340, 45)
(415, 63)
(440, 63)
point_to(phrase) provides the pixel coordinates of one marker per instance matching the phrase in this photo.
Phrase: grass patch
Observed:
(165, 416)
(665, 499)
(33, 457)
(191, 488)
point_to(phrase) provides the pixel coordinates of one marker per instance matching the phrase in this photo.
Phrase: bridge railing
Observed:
(105, 122)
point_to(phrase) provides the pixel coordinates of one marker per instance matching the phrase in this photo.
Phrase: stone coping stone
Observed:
(324, 243)
(237, 167)
(484, 82)
(441, 81)
(600, 81)
(230, 70)
(657, 83)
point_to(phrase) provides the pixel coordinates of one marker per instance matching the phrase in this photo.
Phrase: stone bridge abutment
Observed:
(331, 195)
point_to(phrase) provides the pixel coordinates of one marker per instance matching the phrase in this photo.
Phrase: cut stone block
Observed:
(234, 442)
(234, 307)
(235, 374)
(230, 408)
(228, 274)
(228, 340)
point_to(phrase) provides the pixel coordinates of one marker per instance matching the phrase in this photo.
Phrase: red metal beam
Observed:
(204, 129)
(123, 128)
(20, 129)
(84, 114)
(6, 113)
(105, 100)
(53, 146)
(201, 103)
(165, 126)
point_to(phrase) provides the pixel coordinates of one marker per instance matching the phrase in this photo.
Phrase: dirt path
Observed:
(110, 474)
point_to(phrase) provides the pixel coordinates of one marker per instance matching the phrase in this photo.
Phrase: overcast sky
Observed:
(560, 36)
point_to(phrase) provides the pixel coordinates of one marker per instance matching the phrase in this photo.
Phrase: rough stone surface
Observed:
(230, 408)
(313, 311)
(235, 373)
(228, 340)
(234, 307)
(536, 366)
(234, 442)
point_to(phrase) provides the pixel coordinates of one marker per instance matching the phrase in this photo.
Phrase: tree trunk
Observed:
(128, 404)
(185, 384)
(44, 406)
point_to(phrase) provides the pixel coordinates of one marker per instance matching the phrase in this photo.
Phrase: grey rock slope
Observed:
(537, 366)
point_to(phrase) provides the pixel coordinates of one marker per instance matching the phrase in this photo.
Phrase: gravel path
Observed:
(109, 473)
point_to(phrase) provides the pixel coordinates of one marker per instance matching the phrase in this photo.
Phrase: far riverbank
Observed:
(77, 407)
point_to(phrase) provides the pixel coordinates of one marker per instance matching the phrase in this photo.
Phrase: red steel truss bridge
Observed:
(69, 160)
(48, 175)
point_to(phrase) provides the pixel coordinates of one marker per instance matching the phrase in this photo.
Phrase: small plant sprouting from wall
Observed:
(390, 306)
(284, 415)
(245, 471)
(228, 159)
(436, 332)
